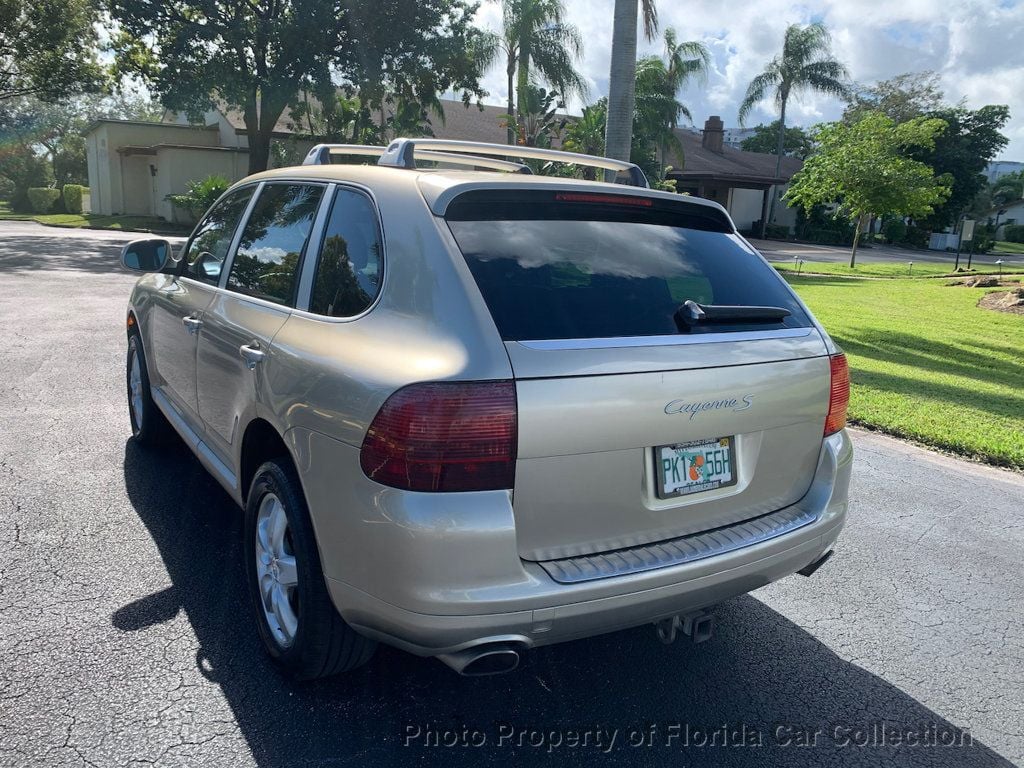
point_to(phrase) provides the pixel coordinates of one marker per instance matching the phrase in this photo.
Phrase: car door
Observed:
(241, 321)
(180, 301)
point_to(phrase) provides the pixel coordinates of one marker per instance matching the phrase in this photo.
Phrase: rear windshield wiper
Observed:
(691, 314)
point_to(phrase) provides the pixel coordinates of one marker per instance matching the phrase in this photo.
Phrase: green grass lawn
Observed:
(1004, 246)
(95, 221)
(927, 363)
(882, 269)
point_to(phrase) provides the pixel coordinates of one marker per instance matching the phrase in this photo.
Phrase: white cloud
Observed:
(976, 46)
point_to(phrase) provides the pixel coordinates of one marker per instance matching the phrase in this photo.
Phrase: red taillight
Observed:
(839, 395)
(444, 436)
(587, 197)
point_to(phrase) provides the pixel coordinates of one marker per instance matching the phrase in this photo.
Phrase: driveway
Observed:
(126, 637)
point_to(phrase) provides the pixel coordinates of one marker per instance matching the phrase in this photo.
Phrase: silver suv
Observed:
(469, 410)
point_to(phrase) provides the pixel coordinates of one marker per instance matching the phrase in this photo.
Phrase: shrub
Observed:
(1014, 233)
(43, 198)
(200, 195)
(916, 237)
(776, 232)
(895, 231)
(827, 236)
(73, 197)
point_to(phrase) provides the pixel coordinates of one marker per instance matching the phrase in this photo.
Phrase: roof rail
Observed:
(321, 154)
(401, 153)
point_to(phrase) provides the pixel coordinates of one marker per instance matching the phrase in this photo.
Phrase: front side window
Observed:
(348, 273)
(266, 264)
(208, 247)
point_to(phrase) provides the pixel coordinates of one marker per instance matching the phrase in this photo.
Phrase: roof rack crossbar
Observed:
(401, 153)
(321, 155)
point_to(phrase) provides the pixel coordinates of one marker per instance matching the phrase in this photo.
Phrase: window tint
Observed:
(349, 271)
(566, 266)
(266, 264)
(209, 246)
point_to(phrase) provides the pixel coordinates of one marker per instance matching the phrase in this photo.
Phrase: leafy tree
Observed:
(257, 55)
(797, 142)
(1008, 188)
(622, 73)
(22, 169)
(805, 64)
(55, 129)
(970, 142)
(536, 38)
(862, 169)
(900, 98)
(47, 48)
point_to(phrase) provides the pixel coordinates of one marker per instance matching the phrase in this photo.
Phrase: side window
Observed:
(209, 245)
(266, 264)
(348, 273)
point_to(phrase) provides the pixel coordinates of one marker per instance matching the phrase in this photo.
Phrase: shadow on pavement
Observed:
(761, 677)
(74, 254)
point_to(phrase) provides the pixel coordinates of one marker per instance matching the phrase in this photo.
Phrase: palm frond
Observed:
(757, 90)
(650, 14)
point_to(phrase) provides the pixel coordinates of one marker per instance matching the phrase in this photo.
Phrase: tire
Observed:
(149, 425)
(297, 621)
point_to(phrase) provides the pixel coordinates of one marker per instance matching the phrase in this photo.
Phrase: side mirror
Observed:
(146, 255)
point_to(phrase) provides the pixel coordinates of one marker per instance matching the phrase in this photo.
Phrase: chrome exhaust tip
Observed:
(482, 660)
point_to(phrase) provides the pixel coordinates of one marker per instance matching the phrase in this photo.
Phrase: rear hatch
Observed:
(637, 425)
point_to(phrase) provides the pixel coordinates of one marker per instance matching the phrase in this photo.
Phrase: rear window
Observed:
(568, 265)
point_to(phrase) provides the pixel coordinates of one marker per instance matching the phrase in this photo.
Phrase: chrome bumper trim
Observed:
(684, 549)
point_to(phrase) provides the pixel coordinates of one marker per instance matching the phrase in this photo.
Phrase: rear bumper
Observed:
(436, 604)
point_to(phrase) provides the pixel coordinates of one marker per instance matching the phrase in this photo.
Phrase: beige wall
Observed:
(745, 206)
(110, 170)
(177, 167)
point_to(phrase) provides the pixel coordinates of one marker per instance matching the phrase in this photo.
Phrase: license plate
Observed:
(700, 465)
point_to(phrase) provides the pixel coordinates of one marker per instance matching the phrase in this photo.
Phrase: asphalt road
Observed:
(778, 250)
(126, 640)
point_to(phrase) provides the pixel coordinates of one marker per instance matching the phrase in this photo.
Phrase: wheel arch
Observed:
(261, 442)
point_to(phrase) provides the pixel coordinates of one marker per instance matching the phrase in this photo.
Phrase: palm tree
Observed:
(537, 38)
(622, 74)
(685, 61)
(805, 65)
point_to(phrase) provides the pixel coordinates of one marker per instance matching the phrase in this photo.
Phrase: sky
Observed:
(976, 47)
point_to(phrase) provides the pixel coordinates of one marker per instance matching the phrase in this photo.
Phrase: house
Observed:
(742, 182)
(1004, 215)
(133, 165)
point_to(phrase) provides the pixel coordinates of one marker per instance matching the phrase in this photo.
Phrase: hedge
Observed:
(43, 198)
(73, 197)
(1014, 233)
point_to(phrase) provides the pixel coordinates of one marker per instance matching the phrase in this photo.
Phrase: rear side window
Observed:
(348, 272)
(266, 264)
(561, 265)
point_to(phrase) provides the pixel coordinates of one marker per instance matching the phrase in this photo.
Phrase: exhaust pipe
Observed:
(482, 660)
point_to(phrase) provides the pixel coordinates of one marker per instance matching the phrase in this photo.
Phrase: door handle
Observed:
(252, 354)
(192, 323)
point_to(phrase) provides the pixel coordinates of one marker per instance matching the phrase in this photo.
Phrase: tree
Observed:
(539, 119)
(1008, 188)
(900, 98)
(622, 73)
(22, 168)
(805, 64)
(969, 143)
(257, 55)
(47, 48)
(536, 38)
(862, 169)
(797, 142)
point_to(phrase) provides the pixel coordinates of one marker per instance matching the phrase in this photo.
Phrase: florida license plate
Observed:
(700, 465)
